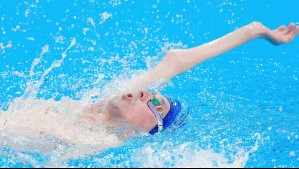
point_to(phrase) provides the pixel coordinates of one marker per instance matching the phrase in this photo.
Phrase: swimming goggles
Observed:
(156, 106)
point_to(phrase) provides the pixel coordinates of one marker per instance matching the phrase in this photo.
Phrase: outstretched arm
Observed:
(179, 60)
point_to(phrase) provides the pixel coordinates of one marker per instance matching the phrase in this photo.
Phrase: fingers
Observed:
(292, 34)
(296, 31)
(289, 28)
(281, 28)
(285, 34)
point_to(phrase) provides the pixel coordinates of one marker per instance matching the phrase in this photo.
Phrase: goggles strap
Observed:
(159, 115)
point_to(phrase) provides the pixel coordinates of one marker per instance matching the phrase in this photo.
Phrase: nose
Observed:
(128, 96)
(145, 95)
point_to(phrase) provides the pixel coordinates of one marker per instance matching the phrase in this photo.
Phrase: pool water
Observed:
(242, 107)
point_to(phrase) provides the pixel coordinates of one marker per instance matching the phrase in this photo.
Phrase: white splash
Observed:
(19, 74)
(49, 127)
(188, 155)
(31, 38)
(36, 61)
(59, 39)
(104, 17)
(32, 88)
(115, 2)
(85, 30)
(91, 21)
(3, 47)
(16, 28)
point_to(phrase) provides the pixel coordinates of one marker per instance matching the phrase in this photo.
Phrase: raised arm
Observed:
(179, 60)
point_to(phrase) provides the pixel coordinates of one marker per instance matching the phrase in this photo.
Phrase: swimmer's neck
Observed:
(93, 113)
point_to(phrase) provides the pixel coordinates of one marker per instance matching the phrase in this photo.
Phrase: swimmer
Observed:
(152, 112)
(138, 107)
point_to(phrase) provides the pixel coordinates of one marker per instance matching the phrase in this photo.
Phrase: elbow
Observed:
(172, 53)
(175, 59)
(178, 54)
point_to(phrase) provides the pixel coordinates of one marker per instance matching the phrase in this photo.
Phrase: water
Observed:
(63, 55)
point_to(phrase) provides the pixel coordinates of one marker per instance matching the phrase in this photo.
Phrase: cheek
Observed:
(139, 118)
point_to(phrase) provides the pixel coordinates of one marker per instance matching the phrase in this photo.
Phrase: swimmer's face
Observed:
(133, 108)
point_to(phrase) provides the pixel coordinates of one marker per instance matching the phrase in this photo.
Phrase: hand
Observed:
(283, 34)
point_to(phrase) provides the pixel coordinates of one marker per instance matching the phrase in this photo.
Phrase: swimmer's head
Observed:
(133, 107)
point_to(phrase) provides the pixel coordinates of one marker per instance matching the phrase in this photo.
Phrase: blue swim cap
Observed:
(175, 109)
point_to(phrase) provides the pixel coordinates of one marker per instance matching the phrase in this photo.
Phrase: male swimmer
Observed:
(149, 112)
(154, 112)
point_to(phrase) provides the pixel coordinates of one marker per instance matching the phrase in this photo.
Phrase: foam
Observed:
(56, 128)
(189, 155)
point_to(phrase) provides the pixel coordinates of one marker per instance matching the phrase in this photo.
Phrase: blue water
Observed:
(243, 105)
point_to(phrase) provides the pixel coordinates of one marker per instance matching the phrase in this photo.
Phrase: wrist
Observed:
(259, 30)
